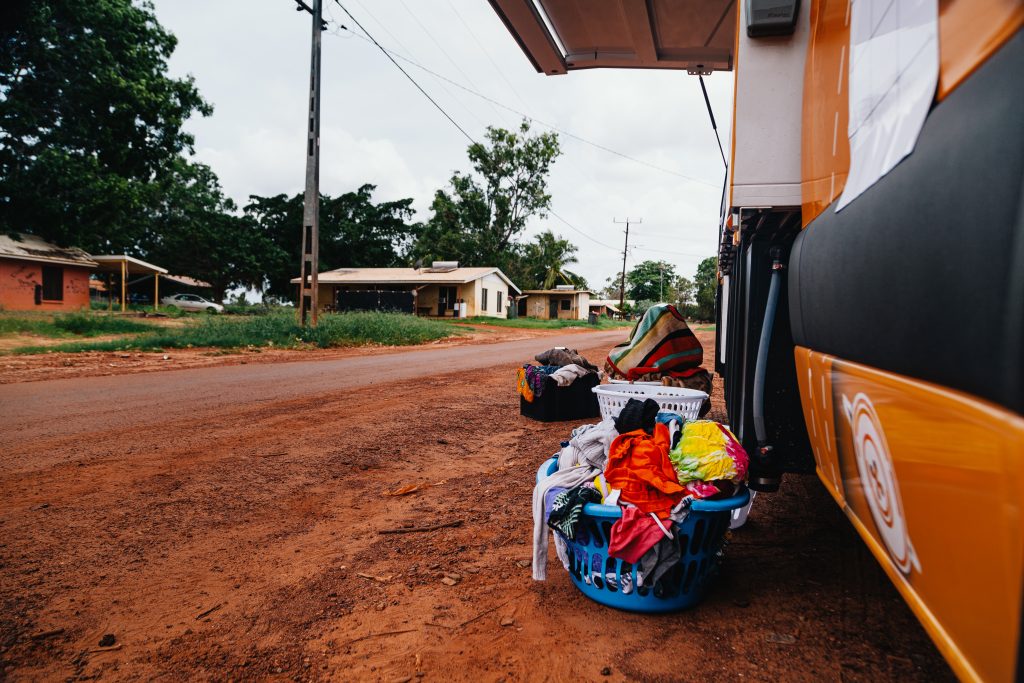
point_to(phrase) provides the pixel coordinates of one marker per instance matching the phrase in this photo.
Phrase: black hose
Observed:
(761, 368)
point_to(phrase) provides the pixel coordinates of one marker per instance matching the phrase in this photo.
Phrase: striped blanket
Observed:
(661, 343)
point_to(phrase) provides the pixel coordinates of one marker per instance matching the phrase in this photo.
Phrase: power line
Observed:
(501, 73)
(526, 116)
(443, 51)
(607, 246)
(406, 73)
(664, 251)
(409, 56)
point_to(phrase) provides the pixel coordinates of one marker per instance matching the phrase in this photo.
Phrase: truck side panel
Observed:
(933, 480)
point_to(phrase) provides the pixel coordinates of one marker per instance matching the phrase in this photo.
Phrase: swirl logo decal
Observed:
(874, 463)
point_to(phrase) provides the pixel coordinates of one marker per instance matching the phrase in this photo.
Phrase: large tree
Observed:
(354, 231)
(478, 217)
(195, 231)
(89, 119)
(682, 295)
(706, 283)
(651, 281)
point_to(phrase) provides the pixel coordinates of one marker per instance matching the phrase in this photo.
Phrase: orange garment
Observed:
(523, 385)
(638, 464)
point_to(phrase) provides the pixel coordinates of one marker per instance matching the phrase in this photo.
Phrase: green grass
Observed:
(277, 329)
(70, 325)
(535, 323)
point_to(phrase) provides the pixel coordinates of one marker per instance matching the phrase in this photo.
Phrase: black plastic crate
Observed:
(556, 404)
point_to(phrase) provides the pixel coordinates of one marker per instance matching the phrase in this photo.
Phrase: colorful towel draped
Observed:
(530, 380)
(660, 343)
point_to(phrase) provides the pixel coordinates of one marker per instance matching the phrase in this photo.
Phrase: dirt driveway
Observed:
(224, 523)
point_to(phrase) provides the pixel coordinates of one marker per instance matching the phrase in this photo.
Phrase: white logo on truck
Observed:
(878, 477)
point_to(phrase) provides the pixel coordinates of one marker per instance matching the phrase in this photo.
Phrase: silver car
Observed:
(191, 302)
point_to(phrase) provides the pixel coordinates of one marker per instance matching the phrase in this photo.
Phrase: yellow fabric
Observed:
(701, 453)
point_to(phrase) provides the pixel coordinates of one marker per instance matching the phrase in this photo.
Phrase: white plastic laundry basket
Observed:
(626, 381)
(686, 402)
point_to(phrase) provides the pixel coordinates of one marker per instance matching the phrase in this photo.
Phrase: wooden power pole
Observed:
(625, 250)
(308, 273)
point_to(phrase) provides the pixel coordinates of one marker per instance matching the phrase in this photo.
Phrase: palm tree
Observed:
(546, 259)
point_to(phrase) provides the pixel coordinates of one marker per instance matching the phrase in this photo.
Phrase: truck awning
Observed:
(564, 35)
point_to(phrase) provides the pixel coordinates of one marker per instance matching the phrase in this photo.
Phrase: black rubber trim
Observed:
(922, 274)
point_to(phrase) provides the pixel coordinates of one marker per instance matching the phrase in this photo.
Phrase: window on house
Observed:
(497, 300)
(565, 304)
(53, 283)
(483, 299)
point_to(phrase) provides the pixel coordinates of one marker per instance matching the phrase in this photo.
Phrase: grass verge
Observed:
(277, 329)
(70, 324)
(534, 323)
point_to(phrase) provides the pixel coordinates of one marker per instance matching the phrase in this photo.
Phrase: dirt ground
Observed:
(58, 365)
(245, 544)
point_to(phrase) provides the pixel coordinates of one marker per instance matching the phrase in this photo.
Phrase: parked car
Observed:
(191, 302)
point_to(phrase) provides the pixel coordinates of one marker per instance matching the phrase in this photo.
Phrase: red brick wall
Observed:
(18, 280)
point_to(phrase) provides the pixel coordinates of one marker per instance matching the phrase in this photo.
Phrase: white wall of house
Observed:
(584, 305)
(497, 297)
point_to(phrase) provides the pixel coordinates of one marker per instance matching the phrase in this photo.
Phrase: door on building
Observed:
(553, 312)
(445, 300)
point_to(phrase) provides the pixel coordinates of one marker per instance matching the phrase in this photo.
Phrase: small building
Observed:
(605, 307)
(442, 290)
(38, 275)
(564, 302)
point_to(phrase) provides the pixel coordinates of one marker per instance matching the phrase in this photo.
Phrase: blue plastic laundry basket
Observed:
(613, 582)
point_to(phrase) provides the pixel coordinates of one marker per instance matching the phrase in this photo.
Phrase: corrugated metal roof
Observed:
(112, 263)
(32, 248)
(405, 276)
(556, 291)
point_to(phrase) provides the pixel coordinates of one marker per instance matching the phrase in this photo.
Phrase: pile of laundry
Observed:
(651, 463)
(662, 348)
(562, 365)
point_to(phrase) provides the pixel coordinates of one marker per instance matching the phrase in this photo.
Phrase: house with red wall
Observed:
(36, 275)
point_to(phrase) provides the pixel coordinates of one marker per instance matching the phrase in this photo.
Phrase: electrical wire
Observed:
(500, 72)
(607, 246)
(388, 54)
(406, 73)
(533, 119)
(440, 48)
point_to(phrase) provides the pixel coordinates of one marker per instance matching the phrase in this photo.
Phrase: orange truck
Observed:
(871, 268)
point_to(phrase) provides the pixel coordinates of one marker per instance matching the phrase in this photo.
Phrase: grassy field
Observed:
(534, 323)
(278, 329)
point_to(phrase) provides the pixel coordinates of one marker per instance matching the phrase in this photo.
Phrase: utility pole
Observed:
(625, 250)
(308, 272)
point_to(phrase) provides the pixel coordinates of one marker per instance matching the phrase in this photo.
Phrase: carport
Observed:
(124, 265)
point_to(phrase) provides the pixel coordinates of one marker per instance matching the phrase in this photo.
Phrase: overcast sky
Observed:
(251, 62)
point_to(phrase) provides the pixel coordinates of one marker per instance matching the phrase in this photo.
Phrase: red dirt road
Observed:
(223, 523)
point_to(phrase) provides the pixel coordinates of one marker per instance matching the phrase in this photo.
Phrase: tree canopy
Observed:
(90, 122)
(706, 283)
(194, 231)
(477, 218)
(543, 263)
(354, 231)
(651, 281)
